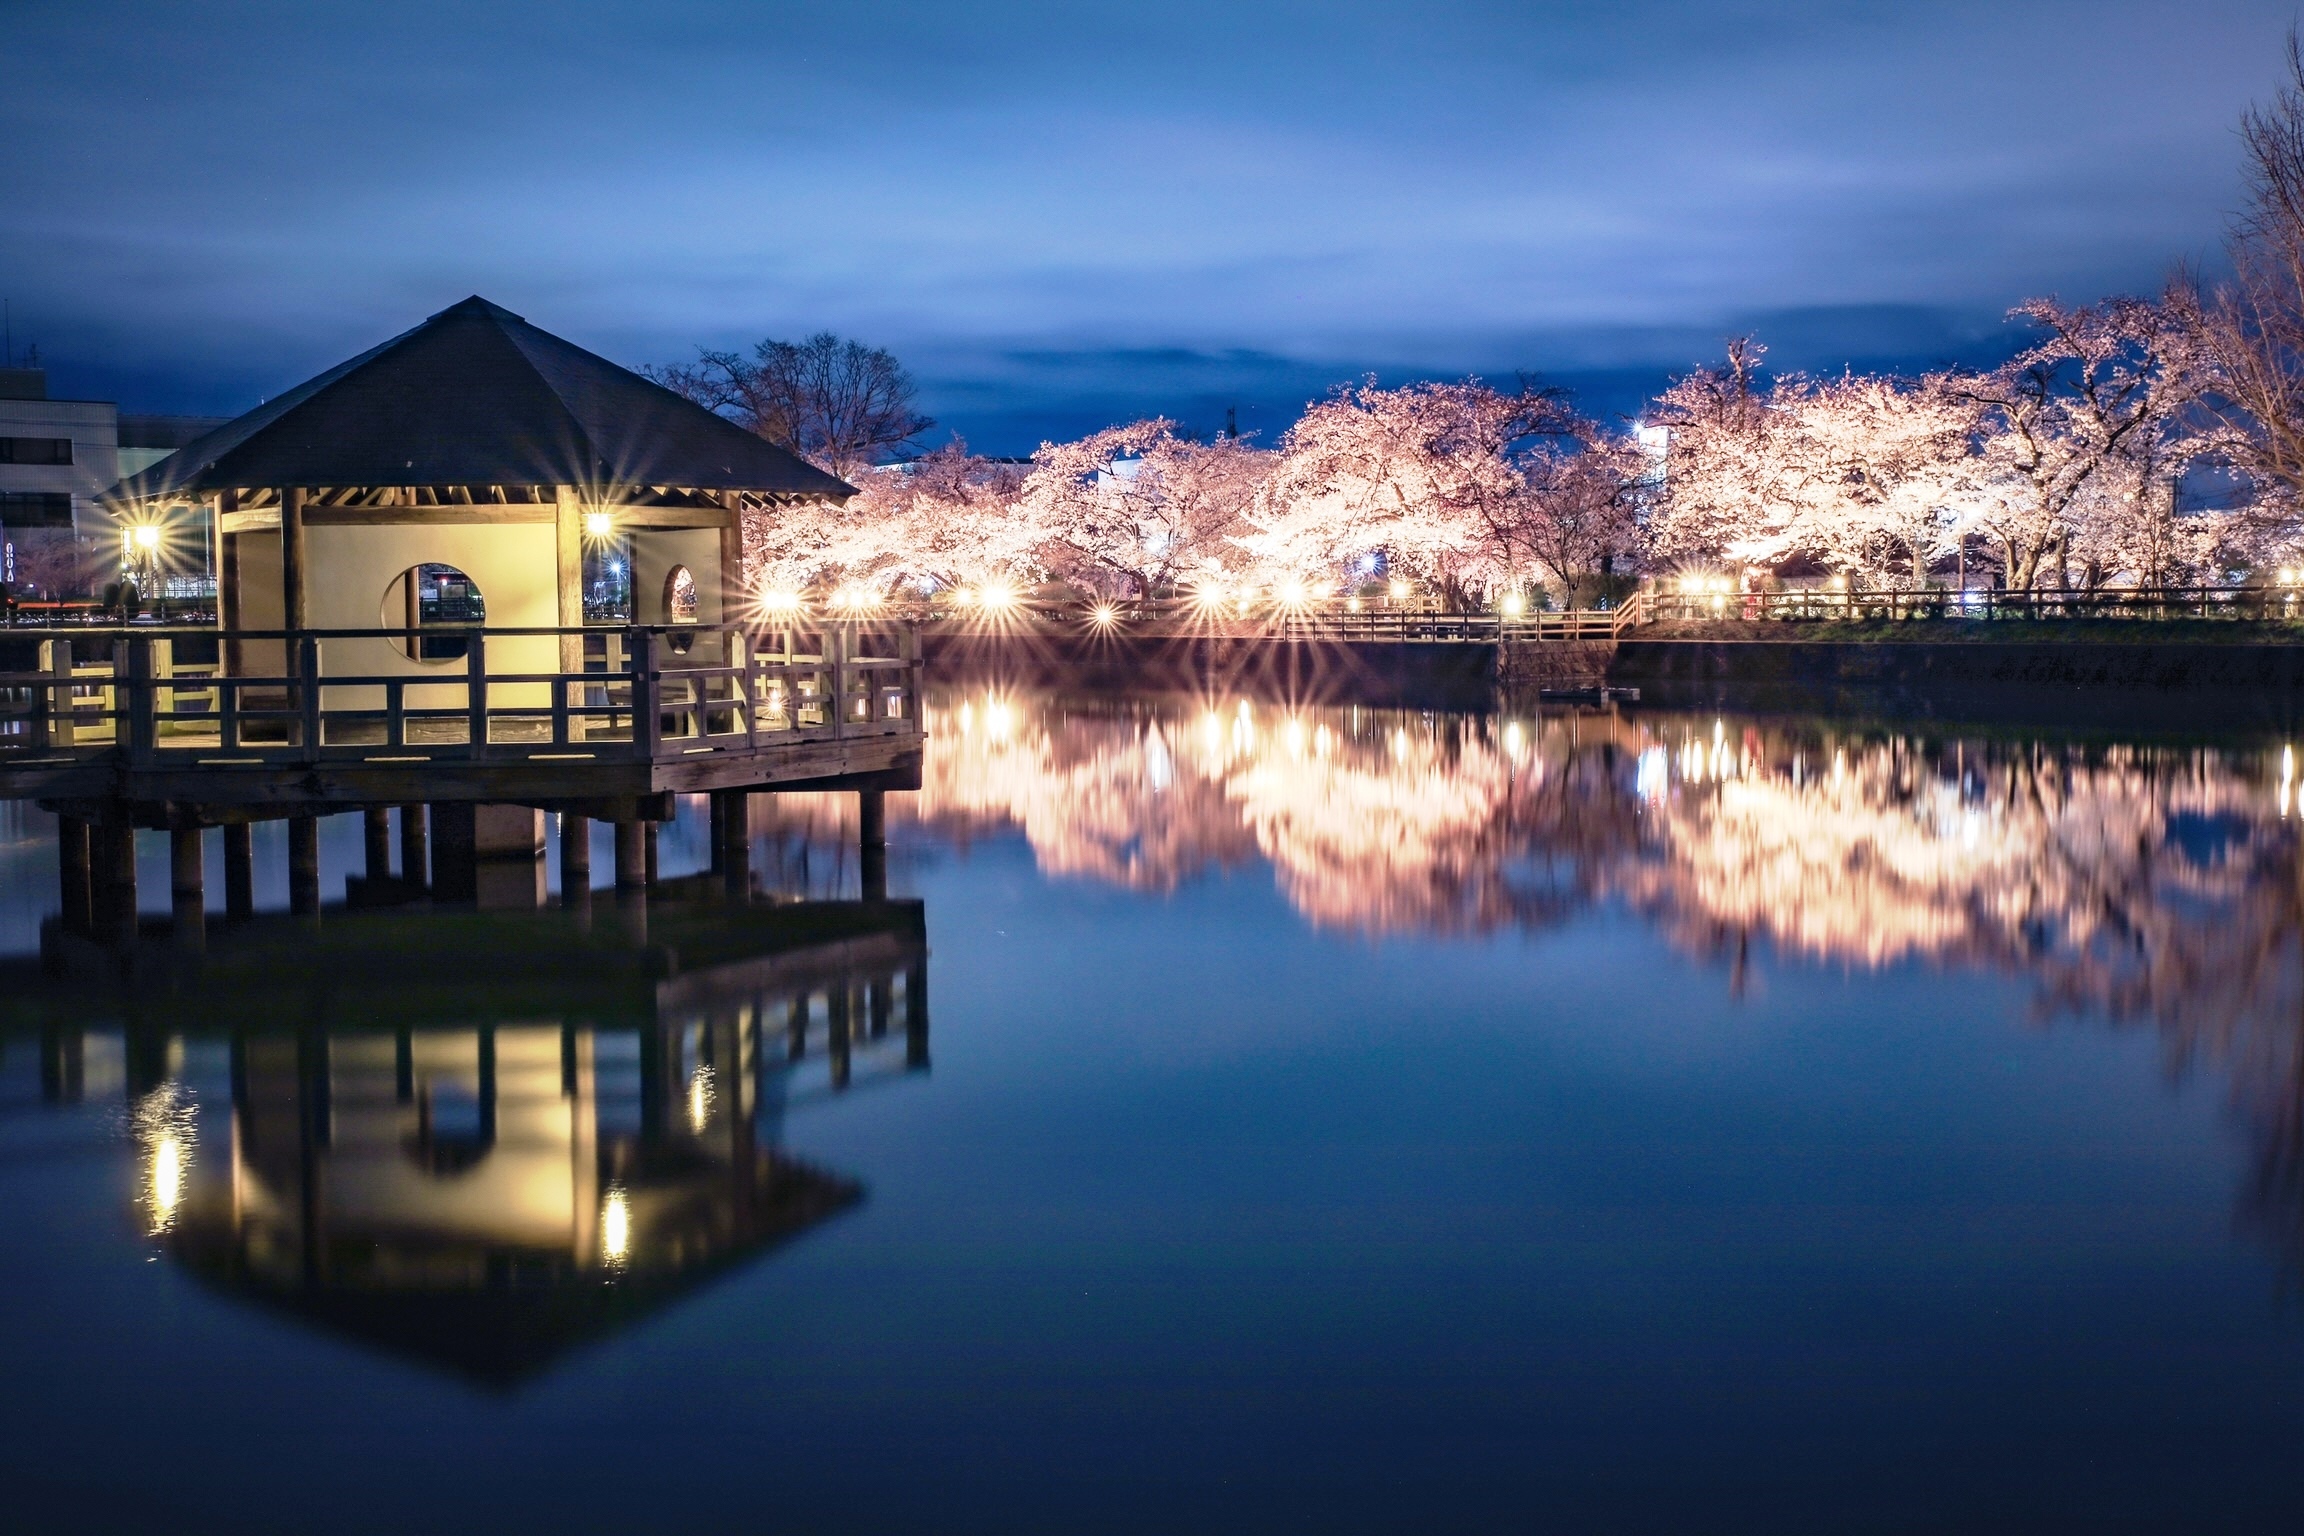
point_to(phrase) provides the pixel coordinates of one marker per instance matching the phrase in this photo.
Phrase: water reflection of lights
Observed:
(615, 1227)
(165, 1127)
(701, 1089)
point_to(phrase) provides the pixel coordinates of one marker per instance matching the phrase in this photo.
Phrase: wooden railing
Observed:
(645, 693)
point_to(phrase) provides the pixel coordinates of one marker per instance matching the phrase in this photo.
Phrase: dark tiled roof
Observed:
(478, 396)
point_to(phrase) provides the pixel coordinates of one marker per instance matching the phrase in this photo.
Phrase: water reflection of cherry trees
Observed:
(2145, 886)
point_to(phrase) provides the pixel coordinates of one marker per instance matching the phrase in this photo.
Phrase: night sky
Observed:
(1063, 215)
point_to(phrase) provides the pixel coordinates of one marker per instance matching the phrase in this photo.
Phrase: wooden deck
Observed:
(187, 726)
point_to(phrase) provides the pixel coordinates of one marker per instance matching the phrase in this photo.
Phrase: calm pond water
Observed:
(1319, 1119)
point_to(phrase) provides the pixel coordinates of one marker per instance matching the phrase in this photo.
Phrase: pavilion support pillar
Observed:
(115, 894)
(631, 856)
(239, 869)
(455, 851)
(304, 865)
(732, 832)
(376, 842)
(836, 1031)
(648, 852)
(568, 545)
(228, 601)
(187, 887)
(872, 842)
(294, 565)
(73, 880)
(575, 858)
(916, 1016)
(415, 847)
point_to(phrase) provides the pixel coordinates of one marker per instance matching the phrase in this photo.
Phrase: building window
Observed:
(680, 596)
(35, 509)
(433, 596)
(35, 450)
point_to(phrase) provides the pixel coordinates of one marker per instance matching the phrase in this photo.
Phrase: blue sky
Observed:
(1064, 214)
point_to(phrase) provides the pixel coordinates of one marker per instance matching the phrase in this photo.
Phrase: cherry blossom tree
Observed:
(1133, 510)
(1879, 469)
(946, 518)
(1426, 474)
(2105, 391)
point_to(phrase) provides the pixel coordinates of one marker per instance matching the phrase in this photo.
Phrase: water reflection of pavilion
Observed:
(481, 1141)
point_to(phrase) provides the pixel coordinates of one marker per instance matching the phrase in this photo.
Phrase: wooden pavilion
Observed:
(477, 444)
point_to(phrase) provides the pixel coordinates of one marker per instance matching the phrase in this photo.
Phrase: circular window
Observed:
(433, 596)
(680, 596)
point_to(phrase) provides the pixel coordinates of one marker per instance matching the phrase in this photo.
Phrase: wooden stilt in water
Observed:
(115, 894)
(304, 865)
(631, 856)
(415, 847)
(73, 879)
(455, 852)
(376, 838)
(575, 858)
(187, 887)
(239, 869)
(872, 842)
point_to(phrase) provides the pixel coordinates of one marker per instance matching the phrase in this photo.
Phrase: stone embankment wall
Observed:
(2116, 684)
(1444, 676)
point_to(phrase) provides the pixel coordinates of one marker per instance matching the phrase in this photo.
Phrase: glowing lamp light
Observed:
(615, 1227)
(598, 525)
(1399, 590)
(1514, 605)
(148, 537)
(1293, 592)
(781, 602)
(998, 596)
(1105, 615)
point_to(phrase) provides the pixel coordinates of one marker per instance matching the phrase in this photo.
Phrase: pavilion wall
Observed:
(351, 567)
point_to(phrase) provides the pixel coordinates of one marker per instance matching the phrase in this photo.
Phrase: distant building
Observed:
(57, 458)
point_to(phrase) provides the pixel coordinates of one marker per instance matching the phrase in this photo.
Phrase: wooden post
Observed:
(647, 720)
(836, 1005)
(415, 855)
(631, 856)
(116, 877)
(732, 825)
(187, 897)
(228, 583)
(292, 562)
(648, 850)
(568, 546)
(872, 842)
(916, 1016)
(476, 694)
(239, 869)
(72, 876)
(455, 851)
(304, 865)
(575, 856)
(376, 836)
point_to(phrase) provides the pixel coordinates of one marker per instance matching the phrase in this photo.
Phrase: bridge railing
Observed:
(440, 694)
(2257, 604)
(1188, 621)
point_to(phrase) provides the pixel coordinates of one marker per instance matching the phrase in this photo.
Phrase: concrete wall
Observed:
(2112, 684)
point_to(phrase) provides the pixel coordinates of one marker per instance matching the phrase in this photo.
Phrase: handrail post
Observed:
(839, 647)
(647, 721)
(134, 698)
(308, 693)
(476, 693)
